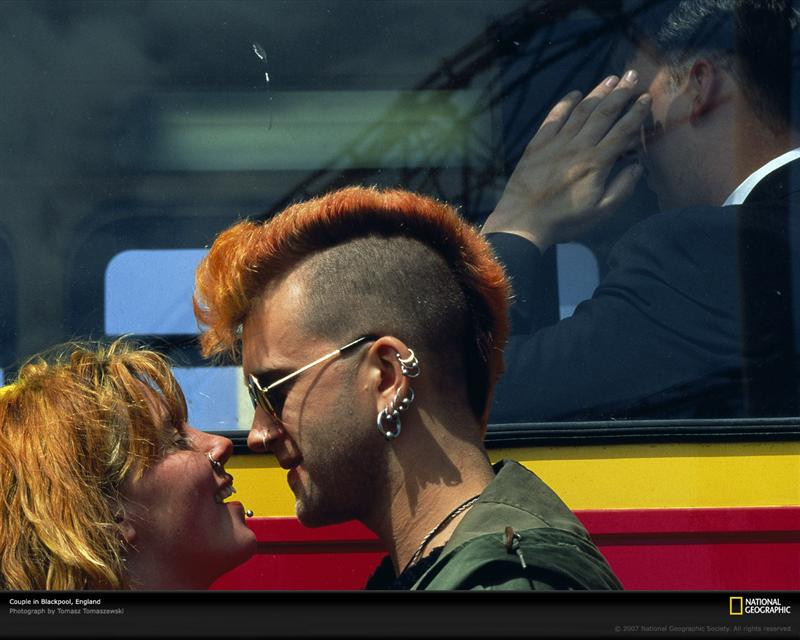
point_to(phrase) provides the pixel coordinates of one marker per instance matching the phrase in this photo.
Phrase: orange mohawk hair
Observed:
(248, 255)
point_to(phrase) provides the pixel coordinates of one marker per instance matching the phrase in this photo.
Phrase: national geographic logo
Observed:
(739, 606)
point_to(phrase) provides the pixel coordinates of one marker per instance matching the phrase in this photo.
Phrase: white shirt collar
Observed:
(743, 190)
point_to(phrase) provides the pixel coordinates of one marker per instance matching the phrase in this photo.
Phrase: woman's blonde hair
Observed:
(74, 426)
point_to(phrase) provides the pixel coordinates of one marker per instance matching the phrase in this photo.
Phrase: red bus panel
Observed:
(650, 549)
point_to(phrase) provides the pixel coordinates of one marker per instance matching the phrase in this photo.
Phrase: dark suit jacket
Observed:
(693, 319)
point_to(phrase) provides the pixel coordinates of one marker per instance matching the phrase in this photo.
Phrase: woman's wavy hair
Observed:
(74, 426)
(245, 258)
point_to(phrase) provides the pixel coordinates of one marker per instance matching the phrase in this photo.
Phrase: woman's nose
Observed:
(220, 448)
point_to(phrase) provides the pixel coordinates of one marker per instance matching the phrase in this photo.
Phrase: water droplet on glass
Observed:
(261, 54)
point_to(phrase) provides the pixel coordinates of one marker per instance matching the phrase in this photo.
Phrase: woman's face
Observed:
(180, 532)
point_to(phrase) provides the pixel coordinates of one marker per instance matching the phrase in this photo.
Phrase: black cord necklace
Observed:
(459, 509)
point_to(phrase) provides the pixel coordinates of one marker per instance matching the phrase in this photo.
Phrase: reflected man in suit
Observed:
(694, 317)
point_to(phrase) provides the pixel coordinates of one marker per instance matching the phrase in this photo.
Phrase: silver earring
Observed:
(409, 365)
(390, 416)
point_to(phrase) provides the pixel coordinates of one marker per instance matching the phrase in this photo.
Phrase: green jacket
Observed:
(545, 548)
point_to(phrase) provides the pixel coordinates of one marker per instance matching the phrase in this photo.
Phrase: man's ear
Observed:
(385, 371)
(704, 84)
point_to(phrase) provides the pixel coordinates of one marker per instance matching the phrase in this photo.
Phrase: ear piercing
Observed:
(409, 365)
(388, 422)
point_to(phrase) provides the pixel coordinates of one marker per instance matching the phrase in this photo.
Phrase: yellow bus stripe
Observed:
(641, 476)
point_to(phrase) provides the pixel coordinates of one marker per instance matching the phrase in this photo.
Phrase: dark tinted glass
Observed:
(134, 132)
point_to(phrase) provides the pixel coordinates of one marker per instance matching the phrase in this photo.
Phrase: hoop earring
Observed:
(390, 415)
(409, 365)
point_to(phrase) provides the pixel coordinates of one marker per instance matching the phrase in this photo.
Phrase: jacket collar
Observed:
(777, 185)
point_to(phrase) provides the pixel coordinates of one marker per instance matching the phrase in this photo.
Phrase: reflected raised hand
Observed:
(560, 188)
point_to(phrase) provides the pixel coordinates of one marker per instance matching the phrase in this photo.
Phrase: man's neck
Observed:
(432, 480)
(727, 146)
(743, 190)
(754, 146)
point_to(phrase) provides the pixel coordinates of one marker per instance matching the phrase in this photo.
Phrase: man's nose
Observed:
(262, 432)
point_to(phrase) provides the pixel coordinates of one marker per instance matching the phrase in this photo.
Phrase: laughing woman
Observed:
(103, 485)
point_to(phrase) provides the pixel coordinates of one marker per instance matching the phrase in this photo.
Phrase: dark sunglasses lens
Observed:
(253, 394)
(275, 400)
(258, 398)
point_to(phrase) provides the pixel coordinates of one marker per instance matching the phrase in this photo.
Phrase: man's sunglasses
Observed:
(271, 402)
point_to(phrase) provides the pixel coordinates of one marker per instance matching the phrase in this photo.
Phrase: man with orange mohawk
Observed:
(370, 326)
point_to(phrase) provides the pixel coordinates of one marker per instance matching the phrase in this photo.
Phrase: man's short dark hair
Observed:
(753, 38)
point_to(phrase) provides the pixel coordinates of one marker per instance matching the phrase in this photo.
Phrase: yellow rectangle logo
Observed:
(737, 606)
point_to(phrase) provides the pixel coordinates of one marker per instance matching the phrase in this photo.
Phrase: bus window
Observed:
(182, 121)
(577, 276)
(216, 398)
(8, 304)
(149, 293)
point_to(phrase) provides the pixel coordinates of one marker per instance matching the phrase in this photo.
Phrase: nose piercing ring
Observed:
(216, 464)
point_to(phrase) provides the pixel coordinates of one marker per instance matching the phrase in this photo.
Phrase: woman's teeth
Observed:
(223, 494)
